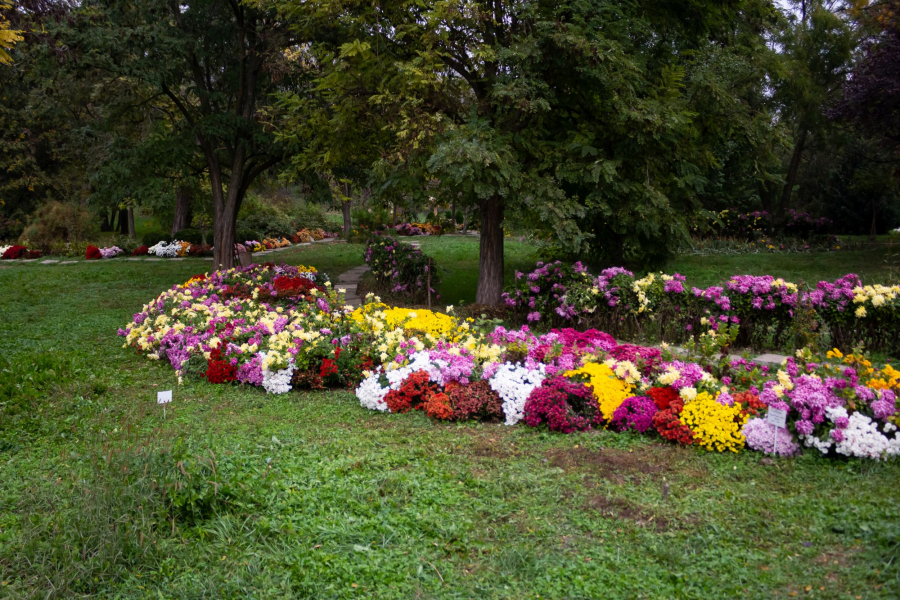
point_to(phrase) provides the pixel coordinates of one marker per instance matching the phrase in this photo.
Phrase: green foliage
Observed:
(189, 235)
(244, 235)
(151, 238)
(55, 221)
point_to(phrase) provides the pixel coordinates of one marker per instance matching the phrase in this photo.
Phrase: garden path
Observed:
(349, 280)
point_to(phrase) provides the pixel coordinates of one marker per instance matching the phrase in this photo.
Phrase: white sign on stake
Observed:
(164, 398)
(775, 416)
(778, 418)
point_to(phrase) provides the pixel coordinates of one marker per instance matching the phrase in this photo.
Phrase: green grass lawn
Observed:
(236, 494)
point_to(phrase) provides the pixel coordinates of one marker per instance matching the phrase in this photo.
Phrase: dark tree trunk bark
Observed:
(183, 215)
(105, 225)
(873, 233)
(453, 215)
(345, 208)
(131, 232)
(793, 169)
(490, 253)
(466, 220)
(123, 221)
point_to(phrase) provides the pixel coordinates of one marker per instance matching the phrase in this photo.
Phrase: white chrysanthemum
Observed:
(514, 383)
(688, 393)
(371, 394)
(278, 382)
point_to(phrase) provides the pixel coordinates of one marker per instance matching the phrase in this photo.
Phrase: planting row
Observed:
(768, 312)
(167, 248)
(284, 327)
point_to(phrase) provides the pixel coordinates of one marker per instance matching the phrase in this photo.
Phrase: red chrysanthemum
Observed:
(413, 392)
(662, 396)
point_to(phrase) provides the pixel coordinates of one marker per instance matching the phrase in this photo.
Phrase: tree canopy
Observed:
(606, 126)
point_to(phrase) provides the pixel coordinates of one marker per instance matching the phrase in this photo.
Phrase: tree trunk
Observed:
(131, 232)
(873, 233)
(793, 169)
(123, 221)
(394, 216)
(466, 220)
(490, 253)
(345, 208)
(453, 215)
(182, 218)
(105, 225)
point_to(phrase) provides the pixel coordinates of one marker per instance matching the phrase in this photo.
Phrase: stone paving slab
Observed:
(770, 359)
(134, 259)
(49, 262)
(69, 262)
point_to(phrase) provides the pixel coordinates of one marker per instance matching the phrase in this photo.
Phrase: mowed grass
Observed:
(236, 494)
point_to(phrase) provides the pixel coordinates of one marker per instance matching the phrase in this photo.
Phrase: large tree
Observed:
(217, 62)
(817, 44)
(575, 114)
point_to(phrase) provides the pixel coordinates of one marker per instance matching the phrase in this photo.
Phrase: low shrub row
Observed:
(768, 312)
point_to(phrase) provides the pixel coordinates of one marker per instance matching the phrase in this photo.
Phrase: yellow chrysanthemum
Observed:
(609, 390)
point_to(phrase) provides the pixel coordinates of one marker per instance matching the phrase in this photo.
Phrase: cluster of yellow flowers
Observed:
(422, 328)
(876, 294)
(887, 378)
(276, 243)
(609, 390)
(640, 288)
(715, 426)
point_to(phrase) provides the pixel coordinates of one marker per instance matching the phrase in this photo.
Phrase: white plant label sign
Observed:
(164, 397)
(775, 416)
(778, 418)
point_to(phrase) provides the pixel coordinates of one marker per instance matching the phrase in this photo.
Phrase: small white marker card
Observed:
(164, 398)
(778, 418)
(775, 416)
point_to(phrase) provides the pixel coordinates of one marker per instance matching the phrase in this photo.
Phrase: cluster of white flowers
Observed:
(371, 394)
(278, 382)
(514, 383)
(863, 440)
(860, 438)
(4, 249)
(165, 250)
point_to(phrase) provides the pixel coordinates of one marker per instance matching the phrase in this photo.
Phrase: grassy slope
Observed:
(329, 500)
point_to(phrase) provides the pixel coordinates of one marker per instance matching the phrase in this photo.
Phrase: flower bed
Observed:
(400, 269)
(281, 327)
(410, 229)
(16, 252)
(769, 312)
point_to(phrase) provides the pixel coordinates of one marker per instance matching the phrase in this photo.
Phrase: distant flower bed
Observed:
(280, 327)
(16, 252)
(400, 270)
(767, 311)
(407, 229)
(304, 236)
